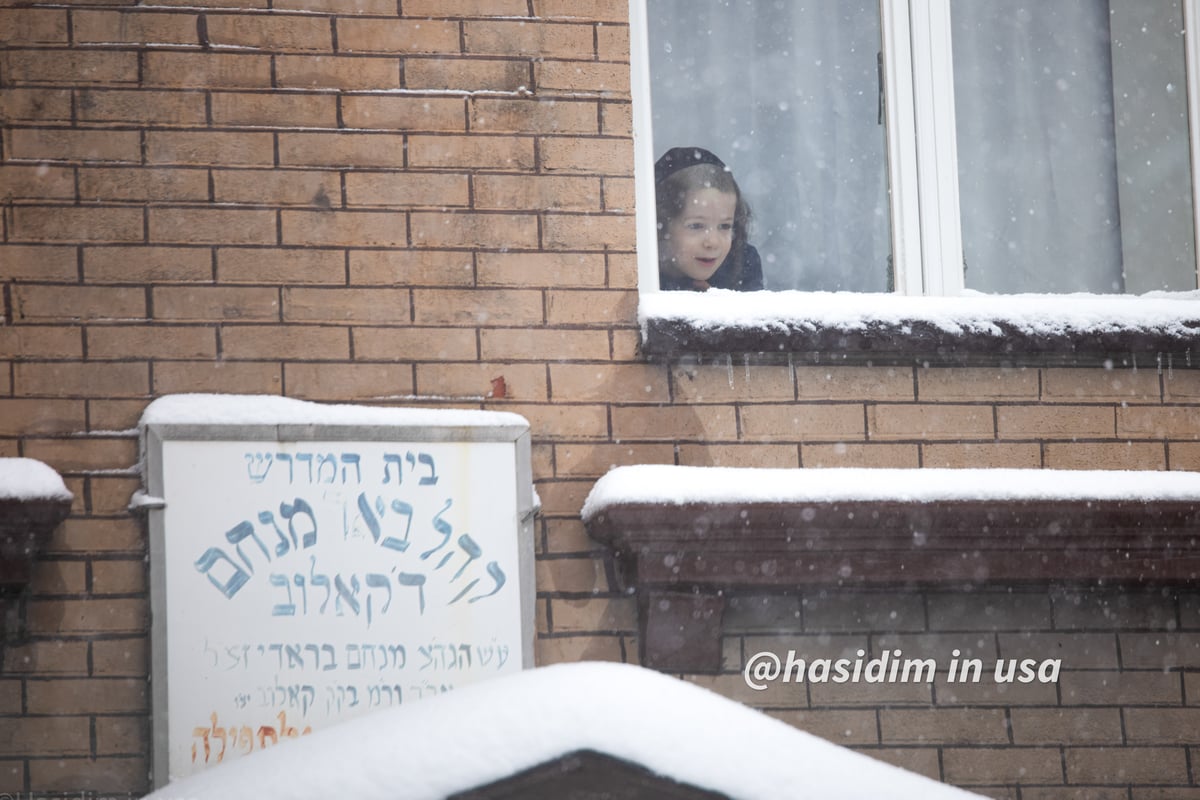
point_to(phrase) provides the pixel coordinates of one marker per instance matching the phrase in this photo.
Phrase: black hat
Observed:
(678, 158)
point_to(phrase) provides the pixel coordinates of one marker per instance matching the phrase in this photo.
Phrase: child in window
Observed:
(703, 223)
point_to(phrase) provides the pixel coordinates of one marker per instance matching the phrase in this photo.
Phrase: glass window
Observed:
(787, 94)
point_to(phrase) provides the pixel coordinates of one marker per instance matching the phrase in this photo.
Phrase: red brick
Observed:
(588, 231)
(345, 382)
(569, 649)
(208, 70)
(969, 766)
(259, 109)
(523, 382)
(272, 187)
(345, 305)
(142, 184)
(641, 383)
(537, 193)
(1091, 385)
(713, 383)
(345, 73)
(957, 383)
(275, 33)
(849, 454)
(616, 118)
(543, 344)
(802, 422)
(72, 224)
(1185, 455)
(598, 10)
(534, 116)
(1149, 422)
(1057, 422)
(1161, 725)
(407, 190)
(587, 156)
(855, 383)
(341, 150)
(1160, 650)
(40, 341)
(65, 379)
(404, 113)
(378, 8)
(22, 417)
(739, 455)
(38, 262)
(411, 268)
(466, 8)
(67, 617)
(70, 67)
(84, 455)
(86, 696)
(1059, 726)
(51, 144)
(475, 151)
(147, 264)
(45, 736)
(292, 266)
(415, 344)
(582, 307)
(211, 304)
(1105, 455)
(942, 421)
(619, 194)
(466, 75)
(496, 230)
(562, 422)
(37, 183)
(121, 735)
(541, 269)
(112, 657)
(77, 303)
(343, 228)
(133, 27)
(612, 43)
(212, 226)
(961, 726)
(111, 495)
(994, 455)
(118, 576)
(673, 423)
(1126, 765)
(49, 657)
(111, 775)
(35, 105)
(572, 575)
(79, 536)
(147, 107)
(519, 38)
(210, 148)
(233, 377)
(397, 36)
(33, 26)
(471, 307)
(1111, 688)
(593, 460)
(151, 342)
(607, 79)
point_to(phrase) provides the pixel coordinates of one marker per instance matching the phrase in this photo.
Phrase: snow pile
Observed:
(664, 484)
(28, 479)
(232, 409)
(484, 732)
(1174, 313)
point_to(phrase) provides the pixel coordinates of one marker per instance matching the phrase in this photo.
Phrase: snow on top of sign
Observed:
(482, 733)
(664, 484)
(1160, 312)
(28, 479)
(233, 409)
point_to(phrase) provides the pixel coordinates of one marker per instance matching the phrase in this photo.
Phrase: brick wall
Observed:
(397, 203)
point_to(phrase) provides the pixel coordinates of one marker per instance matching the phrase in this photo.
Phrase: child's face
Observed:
(698, 240)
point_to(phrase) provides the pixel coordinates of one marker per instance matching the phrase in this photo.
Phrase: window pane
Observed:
(1074, 166)
(787, 94)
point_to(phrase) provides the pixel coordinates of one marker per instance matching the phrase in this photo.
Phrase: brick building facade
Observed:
(402, 201)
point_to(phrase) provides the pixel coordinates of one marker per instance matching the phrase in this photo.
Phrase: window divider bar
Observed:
(643, 148)
(1191, 38)
(903, 177)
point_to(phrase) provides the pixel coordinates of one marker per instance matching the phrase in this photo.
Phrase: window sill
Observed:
(685, 538)
(846, 328)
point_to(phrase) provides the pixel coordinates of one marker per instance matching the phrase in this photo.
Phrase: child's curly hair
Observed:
(671, 196)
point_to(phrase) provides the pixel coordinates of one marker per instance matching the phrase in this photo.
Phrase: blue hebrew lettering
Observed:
(472, 550)
(319, 580)
(417, 580)
(349, 595)
(307, 458)
(431, 479)
(239, 533)
(291, 470)
(351, 458)
(330, 460)
(230, 586)
(298, 579)
(441, 526)
(377, 581)
(497, 574)
(258, 465)
(287, 609)
(388, 460)
(392, 543)
(290, 512)
(267, 518)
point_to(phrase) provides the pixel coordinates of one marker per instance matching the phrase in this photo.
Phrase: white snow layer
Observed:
(484, 732)
(1175, 313)
(234, 409)
(29, 479)
(664, 484)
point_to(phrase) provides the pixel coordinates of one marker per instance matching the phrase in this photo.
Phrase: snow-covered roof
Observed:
(482, 733)
(1174, 313)
(665, 484)
(29, 479)
(233, 409)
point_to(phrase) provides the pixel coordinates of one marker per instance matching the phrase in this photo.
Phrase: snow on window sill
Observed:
(688, 538)
(1156, 329)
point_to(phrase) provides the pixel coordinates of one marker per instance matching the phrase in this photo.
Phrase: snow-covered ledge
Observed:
(33, 501)
(1156, 329)
(685, 537)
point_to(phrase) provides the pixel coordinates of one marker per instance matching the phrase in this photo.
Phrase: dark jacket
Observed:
(724, 277)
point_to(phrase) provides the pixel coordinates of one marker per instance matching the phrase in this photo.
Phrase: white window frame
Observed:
(922, 151)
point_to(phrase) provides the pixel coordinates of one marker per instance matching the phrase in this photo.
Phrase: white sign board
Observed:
(305, 581)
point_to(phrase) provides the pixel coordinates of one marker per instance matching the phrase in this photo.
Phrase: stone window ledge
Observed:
(1156, 331)
(683, 559)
